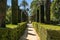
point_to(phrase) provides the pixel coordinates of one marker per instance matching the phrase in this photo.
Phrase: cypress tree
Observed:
(48, 11)
(14, 11)
(2, 12)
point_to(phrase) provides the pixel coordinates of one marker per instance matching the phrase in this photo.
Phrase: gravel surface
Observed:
(30, 33)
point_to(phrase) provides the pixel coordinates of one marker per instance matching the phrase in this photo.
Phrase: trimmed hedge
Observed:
(47, 32)
(12, 32)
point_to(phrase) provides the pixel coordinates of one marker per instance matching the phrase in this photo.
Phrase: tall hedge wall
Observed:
(47, 32)
(12, 33)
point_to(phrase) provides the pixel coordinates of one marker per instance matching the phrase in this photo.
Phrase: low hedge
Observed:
(47, 32)
(12, 32)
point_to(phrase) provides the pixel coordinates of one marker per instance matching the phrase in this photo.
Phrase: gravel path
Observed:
(30, 34)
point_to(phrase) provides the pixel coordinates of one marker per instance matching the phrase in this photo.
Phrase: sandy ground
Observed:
(30, 33)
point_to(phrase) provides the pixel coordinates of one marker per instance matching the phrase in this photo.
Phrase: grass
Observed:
(51, 27)
(11, 26)
(14, 26)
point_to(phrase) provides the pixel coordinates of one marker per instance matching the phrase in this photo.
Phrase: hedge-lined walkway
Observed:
(30, 33)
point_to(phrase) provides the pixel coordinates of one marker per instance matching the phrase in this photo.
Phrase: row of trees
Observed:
(15, 13)
(40, 5)
(45, 10)
(55, 10)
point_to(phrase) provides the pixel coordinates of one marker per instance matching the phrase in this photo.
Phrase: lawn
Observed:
(11, 26)
(51, 27)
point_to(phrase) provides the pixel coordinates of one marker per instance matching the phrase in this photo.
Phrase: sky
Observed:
(19, 1)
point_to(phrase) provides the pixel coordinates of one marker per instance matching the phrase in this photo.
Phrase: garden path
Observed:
(30, 33)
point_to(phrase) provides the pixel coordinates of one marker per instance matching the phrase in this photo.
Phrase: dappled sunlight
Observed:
(29, 20)
(30, 33)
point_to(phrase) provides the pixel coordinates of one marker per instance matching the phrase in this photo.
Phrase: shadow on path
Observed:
(25, 35)
(29, 33)
(32, 34)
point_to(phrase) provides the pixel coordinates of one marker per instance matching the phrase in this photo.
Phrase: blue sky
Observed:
(19, 1)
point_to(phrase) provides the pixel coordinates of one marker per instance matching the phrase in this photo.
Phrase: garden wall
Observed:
(47, 32)
(12, 33)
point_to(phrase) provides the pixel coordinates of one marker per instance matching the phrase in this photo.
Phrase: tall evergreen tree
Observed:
(55, 10)
(35, 5)
(19, 14)
(14, 11)
(48, 2)
(24, 4)
(37, 15)
(42, 13)
(2, 12)
(34, 8)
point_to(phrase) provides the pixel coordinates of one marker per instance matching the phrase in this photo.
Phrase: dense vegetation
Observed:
(55, 10)
(48, 11)
(50, 29)
(46, 31)
(41, 6)
(12, 32)
(13, 27)
(2, 13)
(9, 15)
(43, 13)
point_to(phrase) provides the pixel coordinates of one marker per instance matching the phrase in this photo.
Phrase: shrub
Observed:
(3, 34)
(12, 32)
(47, 32)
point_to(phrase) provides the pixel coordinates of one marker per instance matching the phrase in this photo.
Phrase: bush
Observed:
(12, 32)
(3, 34)
(47, 32)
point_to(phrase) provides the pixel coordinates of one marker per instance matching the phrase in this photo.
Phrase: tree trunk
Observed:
(2, 12)
(14, 11)
(37, 15)
(23, 16)
(48, 11)
(19, 15)
(42, 13)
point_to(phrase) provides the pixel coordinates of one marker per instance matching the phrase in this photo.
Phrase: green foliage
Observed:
(24, 16)
(2, 12)
(3, 33)
(46, 31)
(24, 4)
(55, 10)
(12, 32)
(33, 7)
(41, 31)
(14, 11)
(8, 15)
